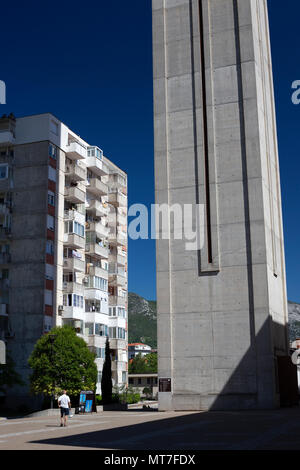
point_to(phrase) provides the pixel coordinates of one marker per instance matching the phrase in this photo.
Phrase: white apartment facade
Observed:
(63, 241)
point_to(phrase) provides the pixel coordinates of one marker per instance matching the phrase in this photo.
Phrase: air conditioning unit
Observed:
(85, 280)
(60, 308)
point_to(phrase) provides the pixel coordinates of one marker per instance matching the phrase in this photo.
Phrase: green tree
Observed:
(106, 381)
(8, 375)
(143, 365)
(62, 361)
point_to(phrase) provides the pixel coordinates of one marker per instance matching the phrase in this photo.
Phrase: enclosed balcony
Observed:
(95, 162)
(75, 172)
(96, 187)
(74, 195)
(76, 151)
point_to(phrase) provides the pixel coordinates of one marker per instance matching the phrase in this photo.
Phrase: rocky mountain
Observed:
(142, 320)
(294, 320)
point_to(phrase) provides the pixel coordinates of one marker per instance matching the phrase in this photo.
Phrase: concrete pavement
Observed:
(139, 430)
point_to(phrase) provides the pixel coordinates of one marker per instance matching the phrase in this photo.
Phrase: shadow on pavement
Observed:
(195, 431)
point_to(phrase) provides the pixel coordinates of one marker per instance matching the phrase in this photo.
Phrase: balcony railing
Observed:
(73, 288)
(97, 187)
(97, 166)
(76, 151)
(76, 172)
(117, 199)
(101, 230)
(94, 249)
(74, 264)
(96, 207)
(74, 241)
(74, 195)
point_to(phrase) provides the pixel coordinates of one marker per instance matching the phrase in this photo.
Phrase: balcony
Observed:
(73, 313)
(117, 280)
(117, 219)
(74, 195)
(119, 238)
(97, 166)
(97, 271)
(7, 138)
(92, 293)
(101, 230)
(73, 288)
(117, 199)
(96, 207)
(76, 151)
(94, 249)
(74, 265)
(96, 187)
(76, 172)
(117, 181)
(119, 366)
(96, 341)
(74, 241)
(118, 343)
(114, 300)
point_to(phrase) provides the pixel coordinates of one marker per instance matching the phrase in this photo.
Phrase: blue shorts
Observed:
(64, 411)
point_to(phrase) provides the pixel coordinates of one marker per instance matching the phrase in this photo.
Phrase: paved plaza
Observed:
(153, 430)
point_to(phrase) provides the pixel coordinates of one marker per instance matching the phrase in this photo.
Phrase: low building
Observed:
(142, 381)
(138, 348)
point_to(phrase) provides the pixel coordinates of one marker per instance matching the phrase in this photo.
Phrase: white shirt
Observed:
(64, 401)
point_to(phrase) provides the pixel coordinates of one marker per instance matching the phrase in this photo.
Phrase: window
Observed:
(139, 381)
(52, 151)
(48, 297)
(51, 174)
(99, 378)
(130, 381)
(101, 330)
(3, 171)
(50, 222)
(49, 272)
(51, 198)
(74, 227)
(89, 329)
(49, 247)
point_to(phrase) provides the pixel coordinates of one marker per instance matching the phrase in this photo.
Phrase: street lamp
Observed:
(52, 339)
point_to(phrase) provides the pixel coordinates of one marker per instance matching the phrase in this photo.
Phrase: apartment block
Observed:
(63, 242)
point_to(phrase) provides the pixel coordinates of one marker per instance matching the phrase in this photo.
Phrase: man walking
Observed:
(64, 404)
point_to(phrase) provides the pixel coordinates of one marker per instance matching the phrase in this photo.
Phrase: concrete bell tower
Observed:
(222, 310)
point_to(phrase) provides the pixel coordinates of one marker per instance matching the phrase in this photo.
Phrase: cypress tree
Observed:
(106, 381)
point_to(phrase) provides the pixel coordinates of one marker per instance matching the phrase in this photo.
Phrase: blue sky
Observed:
(90, 64)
